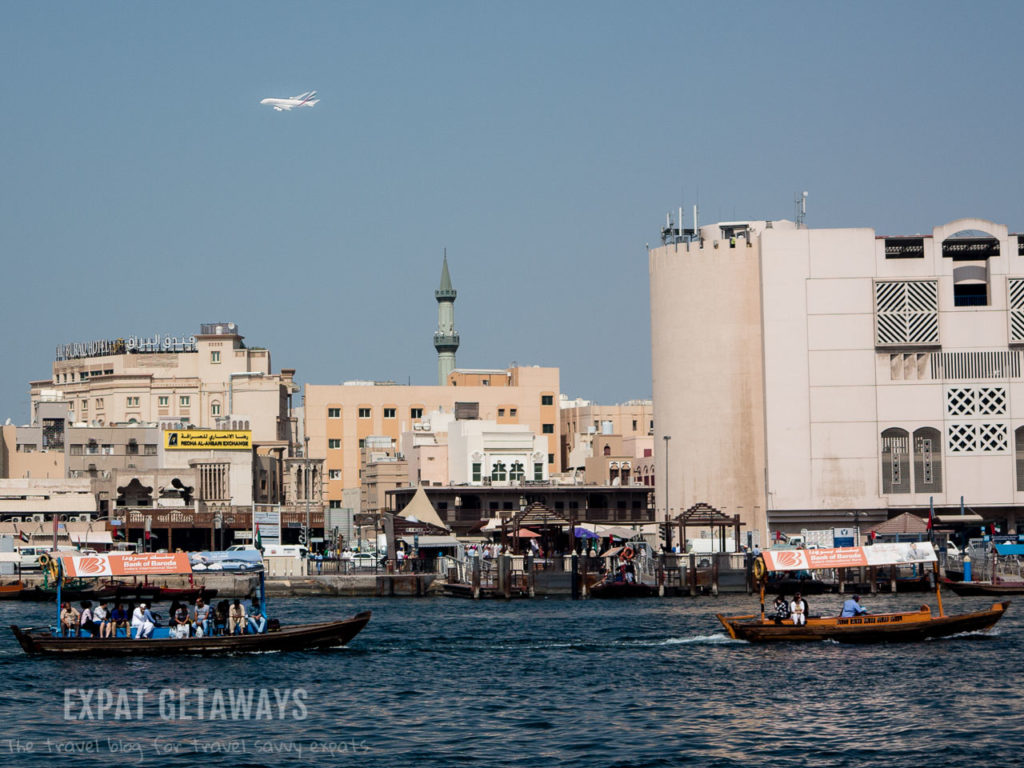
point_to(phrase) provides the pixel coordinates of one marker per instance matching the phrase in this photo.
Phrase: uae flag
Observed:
(259, 538)
(23, 536)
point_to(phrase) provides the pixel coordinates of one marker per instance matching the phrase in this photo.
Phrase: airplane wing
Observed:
(282, 108)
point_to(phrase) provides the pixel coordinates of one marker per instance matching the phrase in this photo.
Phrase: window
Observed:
(76, 449)
(132, 448)
(477, 467)
(362, 442)
(895, 461)
(184, 401)
(149, 449)
(92, 448)
(215, 409)
(389, 413)
(547, 399)
(927, 460)
(71, 405)
(334, 474)
(334, 504)
(498, 471)
(538, 471)
(99, 403)
(163, 401)
(132, 402)
(107, 449)
(548, 429)
(364, 413)
(516, 473)
(334, 443)
(551, 458)
(512, 412)
(334, 413)
(634, 425)
(501, 412)
(415, 413)
(85, 405)
(215, 356)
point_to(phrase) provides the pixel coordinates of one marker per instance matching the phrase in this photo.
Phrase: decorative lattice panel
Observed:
(961, 438)
(906, 312)
(992, 438)
(991, 401)
(1016, 288)
(959, 401)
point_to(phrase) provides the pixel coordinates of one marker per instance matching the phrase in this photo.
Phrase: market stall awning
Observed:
(583, 533)
(526, 533)
(431, 542)
(90, 537)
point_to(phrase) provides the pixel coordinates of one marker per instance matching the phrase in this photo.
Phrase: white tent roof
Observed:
(422, 510)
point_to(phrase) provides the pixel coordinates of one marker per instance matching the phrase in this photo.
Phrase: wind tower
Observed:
(446, 338)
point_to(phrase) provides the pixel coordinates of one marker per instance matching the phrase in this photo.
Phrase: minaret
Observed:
(446, 338)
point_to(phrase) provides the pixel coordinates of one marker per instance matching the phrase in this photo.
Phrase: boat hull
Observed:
(301, 637)
(983, 588)
(874, 628)
(614, 590)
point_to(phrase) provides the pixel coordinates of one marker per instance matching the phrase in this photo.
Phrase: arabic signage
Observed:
(146, 563)
(848, 557)
(142, 344)
(268, 523)
(207, 439)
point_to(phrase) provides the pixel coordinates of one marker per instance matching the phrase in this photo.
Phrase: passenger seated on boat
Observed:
(236, 618)
(201, 622)
(852, 607)
(86, 621)
(68, 620)
(798, 609)
(101, 615)
(781, 609)
(220, 618)
(143, 622)
(119, 620)
(257, 621)
(180, 625)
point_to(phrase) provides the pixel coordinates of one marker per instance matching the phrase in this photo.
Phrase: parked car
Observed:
(364, 560)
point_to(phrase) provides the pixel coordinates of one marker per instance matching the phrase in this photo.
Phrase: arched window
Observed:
(927, 460)
(607, 450)
(516, 473)
(895, 461)
(498, 471)
(1018, 440)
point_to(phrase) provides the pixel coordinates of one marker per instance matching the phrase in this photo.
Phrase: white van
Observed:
(30, 555)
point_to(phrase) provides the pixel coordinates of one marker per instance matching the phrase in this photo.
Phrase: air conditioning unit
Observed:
(38, 518)
(14, 520)
(82, 518)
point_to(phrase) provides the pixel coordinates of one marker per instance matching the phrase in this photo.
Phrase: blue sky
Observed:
(145, 190)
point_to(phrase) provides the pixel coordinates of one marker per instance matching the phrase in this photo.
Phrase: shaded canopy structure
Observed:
(421, 510)
(703, 515)
(905, 523)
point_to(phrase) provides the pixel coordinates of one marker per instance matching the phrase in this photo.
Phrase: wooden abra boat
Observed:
(975, 588)
(301, 637)
(867, 628)
(51, 642)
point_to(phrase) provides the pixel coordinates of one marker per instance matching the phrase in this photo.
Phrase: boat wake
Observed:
(717, 639)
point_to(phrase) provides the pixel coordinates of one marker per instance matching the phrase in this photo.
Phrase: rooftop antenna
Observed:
(801, 209)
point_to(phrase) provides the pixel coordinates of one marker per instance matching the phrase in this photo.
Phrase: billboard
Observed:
(146, 563)
(208, 439)
(848, 557)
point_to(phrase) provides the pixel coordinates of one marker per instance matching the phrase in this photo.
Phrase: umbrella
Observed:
(583, 533)
(526, 533)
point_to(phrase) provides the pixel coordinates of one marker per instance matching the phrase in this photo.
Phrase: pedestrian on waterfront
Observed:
(781, 609)
(68, 620)
(798, 609)
(757, 550)
(852, 607)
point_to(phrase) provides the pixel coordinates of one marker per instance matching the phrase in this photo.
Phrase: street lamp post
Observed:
(667, 438)
(306, 455)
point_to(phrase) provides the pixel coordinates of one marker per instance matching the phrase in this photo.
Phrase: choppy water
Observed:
(444, 682)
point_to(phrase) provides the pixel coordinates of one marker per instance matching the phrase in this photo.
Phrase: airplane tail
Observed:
(311, 103)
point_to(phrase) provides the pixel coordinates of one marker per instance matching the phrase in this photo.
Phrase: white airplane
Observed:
(284, 105)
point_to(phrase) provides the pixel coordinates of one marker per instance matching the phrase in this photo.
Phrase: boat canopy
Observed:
(849, 557)
(128, 564)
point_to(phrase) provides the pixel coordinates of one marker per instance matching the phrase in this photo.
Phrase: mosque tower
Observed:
(446, 338)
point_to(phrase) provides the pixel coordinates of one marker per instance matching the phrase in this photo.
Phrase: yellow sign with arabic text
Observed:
(207, 440)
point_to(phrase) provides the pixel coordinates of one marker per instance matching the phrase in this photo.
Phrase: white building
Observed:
(812, 377)
(452, 451)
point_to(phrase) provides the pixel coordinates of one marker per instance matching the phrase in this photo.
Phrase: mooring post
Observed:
(505, 573)
(715, 559)
(693, 574)
(574, 578)
(475, 576)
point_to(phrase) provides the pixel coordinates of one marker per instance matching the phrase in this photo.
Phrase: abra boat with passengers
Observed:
(897, 626)
(51, 641)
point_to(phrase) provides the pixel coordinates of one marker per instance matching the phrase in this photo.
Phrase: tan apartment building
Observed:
(340, 418)
(203, 380)
(582, 420)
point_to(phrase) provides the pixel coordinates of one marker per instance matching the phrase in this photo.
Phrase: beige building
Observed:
(582, 421)
(817, 378)
(205, 380)
(339, 418)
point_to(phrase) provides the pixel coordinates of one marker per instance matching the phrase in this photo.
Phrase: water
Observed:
(445, 682)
